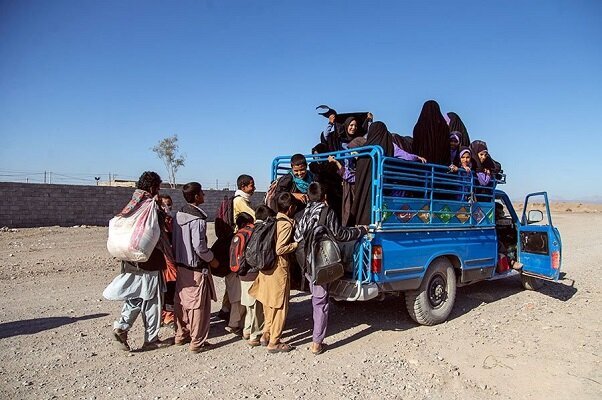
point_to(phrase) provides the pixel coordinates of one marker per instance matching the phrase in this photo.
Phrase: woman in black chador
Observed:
(378, 135)
(456, 124)
(431, 135)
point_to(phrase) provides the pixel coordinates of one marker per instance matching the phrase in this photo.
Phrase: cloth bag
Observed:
(133, 237)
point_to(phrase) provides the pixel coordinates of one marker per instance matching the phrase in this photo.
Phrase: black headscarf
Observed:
(456, 124)
(403, 142)
(320, 148)
(478, 146)
(336, 139)
(345, 137)
(327, 174)
(431, 135)
(378, 135)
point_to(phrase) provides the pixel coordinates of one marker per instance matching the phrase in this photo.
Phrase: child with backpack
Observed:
(272, 286)
(317, 210)
(194, 282)
(244, 227)
(254, 321)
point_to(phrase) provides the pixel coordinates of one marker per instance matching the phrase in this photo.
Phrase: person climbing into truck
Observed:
(316, 208)
(296, 181)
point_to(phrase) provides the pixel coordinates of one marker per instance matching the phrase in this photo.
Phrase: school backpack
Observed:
(321, 253)
(238, 261)
(260, 253)
(224, 218)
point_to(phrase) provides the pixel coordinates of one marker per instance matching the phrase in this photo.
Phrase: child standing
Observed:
(194, 284)
(140, 283)
(242, 196)
(254, 320)
(272, 286)
(240, 204)
(170, 272)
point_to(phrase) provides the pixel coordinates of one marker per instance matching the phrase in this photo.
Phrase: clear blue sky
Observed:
(88, 87)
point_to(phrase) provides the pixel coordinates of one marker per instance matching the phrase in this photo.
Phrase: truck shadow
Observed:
(36, 325)
(390, 314)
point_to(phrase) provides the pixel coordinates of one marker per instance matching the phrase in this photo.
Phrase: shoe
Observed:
(264, 340)
(318, 348)
(204, 347)
(224, 315)
(233, 330)
(157, 344)
(121, 336)
(171, 325)
(280, 348)
(246, 336)
(254, 343)
(182, 342)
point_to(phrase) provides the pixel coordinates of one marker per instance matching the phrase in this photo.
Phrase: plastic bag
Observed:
(133, 238)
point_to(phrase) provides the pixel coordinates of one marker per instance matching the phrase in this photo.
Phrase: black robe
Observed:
(431, 135)
(361, 209)
(456, 124)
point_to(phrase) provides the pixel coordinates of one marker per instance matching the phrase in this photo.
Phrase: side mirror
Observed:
(534, 216)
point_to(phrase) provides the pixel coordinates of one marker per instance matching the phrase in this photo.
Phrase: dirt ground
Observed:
(500, 342)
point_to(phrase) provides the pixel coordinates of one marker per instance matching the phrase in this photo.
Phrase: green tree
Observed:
(167, 151)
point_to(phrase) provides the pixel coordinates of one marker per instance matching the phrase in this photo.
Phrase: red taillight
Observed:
(377, 259)
(556, 259)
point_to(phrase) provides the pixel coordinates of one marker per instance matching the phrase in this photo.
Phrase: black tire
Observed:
(432, 303)
(531, 283)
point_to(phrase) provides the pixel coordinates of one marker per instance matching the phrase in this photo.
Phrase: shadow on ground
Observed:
(390, 314)
(36, 325)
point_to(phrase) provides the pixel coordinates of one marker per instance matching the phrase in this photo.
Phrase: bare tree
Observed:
(167, 151)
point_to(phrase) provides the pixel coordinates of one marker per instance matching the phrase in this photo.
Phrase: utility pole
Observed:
(44, 176)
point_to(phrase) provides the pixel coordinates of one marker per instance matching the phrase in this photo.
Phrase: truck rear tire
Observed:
(531, 283)
(432, 303)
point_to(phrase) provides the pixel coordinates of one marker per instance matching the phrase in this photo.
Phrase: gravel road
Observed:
(500, 342)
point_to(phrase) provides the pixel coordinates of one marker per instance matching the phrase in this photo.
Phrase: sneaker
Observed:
(157, 344)
(121, 336)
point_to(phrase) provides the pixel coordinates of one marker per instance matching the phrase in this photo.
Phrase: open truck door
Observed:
(539, 243)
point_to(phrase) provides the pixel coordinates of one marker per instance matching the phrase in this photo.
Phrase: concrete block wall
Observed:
(26, 205)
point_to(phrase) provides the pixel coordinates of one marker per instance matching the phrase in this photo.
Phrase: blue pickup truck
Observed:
(432, 231)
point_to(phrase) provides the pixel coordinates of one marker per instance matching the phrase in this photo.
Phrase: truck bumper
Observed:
(351, 290)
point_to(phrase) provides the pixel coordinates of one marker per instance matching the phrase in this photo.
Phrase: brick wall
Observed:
(27, 205)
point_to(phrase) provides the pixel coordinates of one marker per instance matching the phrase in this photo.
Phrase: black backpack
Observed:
(321, 254)
(261, 249)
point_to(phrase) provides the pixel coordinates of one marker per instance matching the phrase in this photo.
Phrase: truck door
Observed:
(539, 243)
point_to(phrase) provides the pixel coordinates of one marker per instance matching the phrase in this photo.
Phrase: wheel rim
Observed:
(437, 291)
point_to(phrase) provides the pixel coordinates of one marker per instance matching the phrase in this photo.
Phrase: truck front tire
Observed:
(432, 303)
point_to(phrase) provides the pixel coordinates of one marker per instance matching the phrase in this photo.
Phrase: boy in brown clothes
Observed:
(272, 286)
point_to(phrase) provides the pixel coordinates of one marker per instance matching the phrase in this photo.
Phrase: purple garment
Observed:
(398, 152)
(319, 302)
(484, 179)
